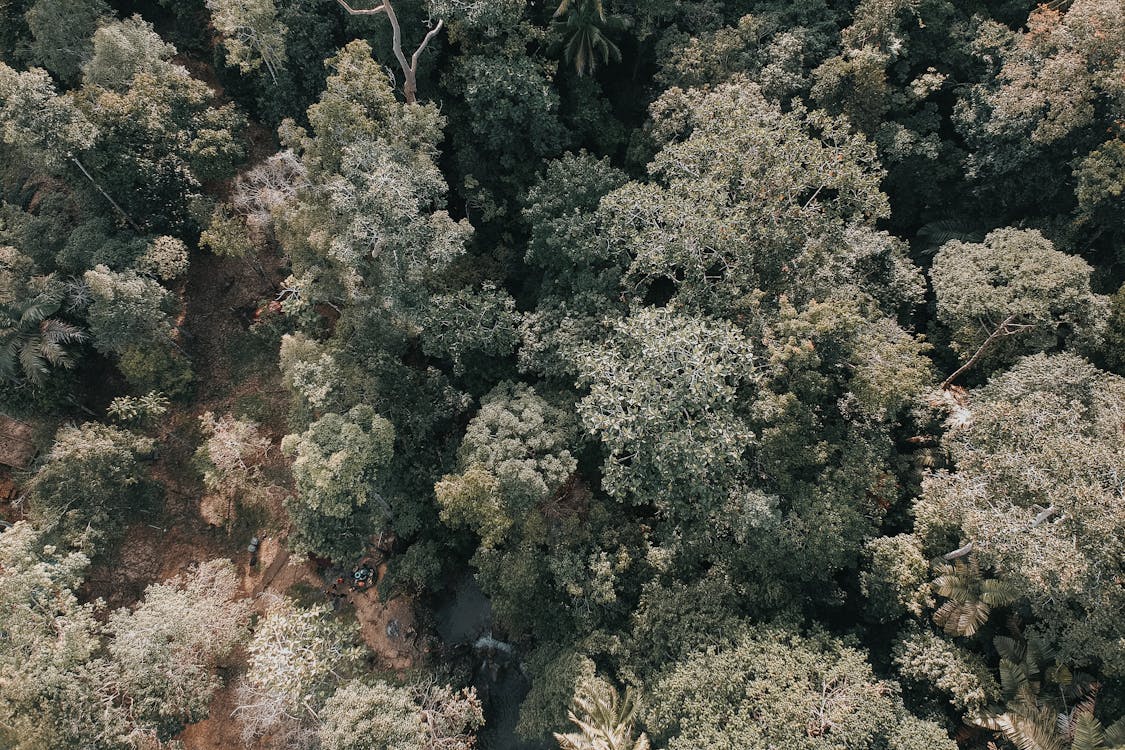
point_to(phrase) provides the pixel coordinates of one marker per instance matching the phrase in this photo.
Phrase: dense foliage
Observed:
(763, 362)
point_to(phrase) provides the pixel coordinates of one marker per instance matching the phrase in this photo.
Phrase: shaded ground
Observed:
(228, 378)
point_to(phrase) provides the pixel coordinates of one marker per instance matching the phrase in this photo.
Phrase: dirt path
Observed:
(235, 373)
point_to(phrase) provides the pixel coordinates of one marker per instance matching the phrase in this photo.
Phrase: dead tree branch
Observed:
(409, 67)
(1007, 328)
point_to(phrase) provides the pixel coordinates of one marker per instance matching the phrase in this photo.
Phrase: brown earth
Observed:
(223, 296)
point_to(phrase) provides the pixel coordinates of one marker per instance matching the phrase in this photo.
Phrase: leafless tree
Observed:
(409, 67)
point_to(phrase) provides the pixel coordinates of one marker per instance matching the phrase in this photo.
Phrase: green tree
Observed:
(514, 456)
(664, 390)
(970, 597)
(161, 131)
(468, 322)
(61, 31)
(1100, 186)
(122, 49)
(252, 34)
(1014, 294)
(167, 649)
(778, 688)
(895, 579)
(32, 340)
(130, 315)
(365, 148)
(507, 120)
(338, 467)
(1027, 489)
(1046, 706)
(127, 309)
(744, 197)
(92, 478)
(583, 25)
(927, 659)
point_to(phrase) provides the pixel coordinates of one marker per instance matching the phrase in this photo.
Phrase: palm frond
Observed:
(1032, 731)
(1086, 732)
(1009, 648)
(1115, 734)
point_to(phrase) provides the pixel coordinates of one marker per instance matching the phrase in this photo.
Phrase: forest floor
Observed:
(235, 372)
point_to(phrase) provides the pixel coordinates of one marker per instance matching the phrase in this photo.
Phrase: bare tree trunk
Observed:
(409, 67)
(1006, 328)
(94, 182)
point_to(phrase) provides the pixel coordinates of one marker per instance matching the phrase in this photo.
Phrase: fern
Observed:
(1115, 734)
(1033, 731)
(1086, 731)
(1009, 648)
(1013, 678)
(970, 596)
(604, 721)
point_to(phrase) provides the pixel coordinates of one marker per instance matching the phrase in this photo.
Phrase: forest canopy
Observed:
(450, 374)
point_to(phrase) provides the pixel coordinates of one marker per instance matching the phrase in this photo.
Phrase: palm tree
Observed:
(31, 341)
(583, 30)
(606, 721)
(1061, 718)
(971, 597)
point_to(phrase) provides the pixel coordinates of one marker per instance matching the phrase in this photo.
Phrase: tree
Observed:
(231, 457)
(297, 659)
(92, 478)
(252, 33)
(168, 647)
(55, 691)
(1061, 718)
(310, 372)
(61, 30)
(745, 198)
(130, 315)
(1017, 283)
(894, 581)
(580, 275)
(373, 228)
(32, 341)
(513, 457)
(161, 132)
(778, 688)
(48, 129)
(1060, 73)
(970, 597)
(1100, 177)
(583, 24)
(469, 322)
(142, 410)
(165, 259)
(409, 69)
(360, 716)
(1027, 488)
(506, 122)
(927, 659)
(338, 465)
(663, 395)
(604, 720)
(123, 49)
(127, 310)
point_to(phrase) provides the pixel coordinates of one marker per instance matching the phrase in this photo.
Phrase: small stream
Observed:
(465, 620)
